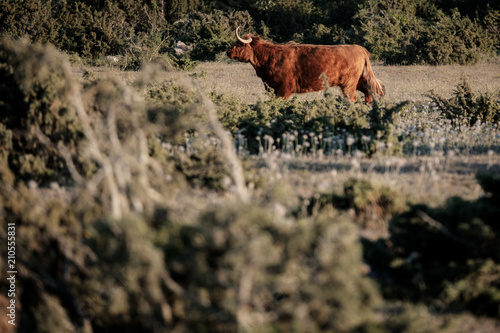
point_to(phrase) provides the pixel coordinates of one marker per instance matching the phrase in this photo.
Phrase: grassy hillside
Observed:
(152, 200)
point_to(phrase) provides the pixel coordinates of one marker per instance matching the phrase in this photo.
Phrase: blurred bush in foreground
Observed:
(37, 115)
(98, 251)
(446, 256)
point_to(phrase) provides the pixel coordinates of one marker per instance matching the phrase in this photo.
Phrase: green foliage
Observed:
(467, 108)
(372, 204)
(124, 247)
(454, 39)
(204, 168)
(233, 266)
(367, 199)
(391, 30)
(328, 124)
(91, 32)
(398, 32)
(37, 115)
(257, 269)
(212, 33)
(321, 34)
(35, 19)
(413, 32)
(177, 8)
(134, 30)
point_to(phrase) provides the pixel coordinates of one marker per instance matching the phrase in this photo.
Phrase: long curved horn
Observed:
(244, 41)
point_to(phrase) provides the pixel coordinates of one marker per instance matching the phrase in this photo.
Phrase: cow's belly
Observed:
(310, 81)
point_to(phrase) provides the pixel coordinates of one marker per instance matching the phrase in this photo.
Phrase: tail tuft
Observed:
(376, 87)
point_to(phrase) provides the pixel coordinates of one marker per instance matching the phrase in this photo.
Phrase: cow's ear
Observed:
(256, 40)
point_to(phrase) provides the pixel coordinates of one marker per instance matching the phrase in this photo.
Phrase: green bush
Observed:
(391, 32)
(213, 33)
(257, 270)
(372, 201)
(372, 205)
(454, 39)
(325, 125)
(92, 32)
(231, 267)
(37, 114)
(83, 272)
(414, 32)
(398, 32)
(34, 19)
(131, 29)
(130, 246)
(467, 108)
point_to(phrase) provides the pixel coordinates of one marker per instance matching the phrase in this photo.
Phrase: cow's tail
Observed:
(377, 89)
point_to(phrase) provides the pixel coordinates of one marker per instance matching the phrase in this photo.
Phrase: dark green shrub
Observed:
(92, 32)
(325, 124)
(175, 9)
(257, 270)
(321, 34)
(454, 39)
(284, 20)
(82, 271)
(203, 168)
(181, 121)
(412, 32)
(124, 288)
(372, 205)
(467, 108)
(369, 200)
(233, 266)
(400, 32)
(49, 255)
(33, 19)
(391, 31)
(230, 111)
(37, 115)
(212, 33)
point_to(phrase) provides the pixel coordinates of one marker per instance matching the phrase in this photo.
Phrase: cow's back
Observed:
(341, 64)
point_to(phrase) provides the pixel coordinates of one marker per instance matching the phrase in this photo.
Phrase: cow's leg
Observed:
(284, 91)
(350, 91)
(363, 87)
(278, 92)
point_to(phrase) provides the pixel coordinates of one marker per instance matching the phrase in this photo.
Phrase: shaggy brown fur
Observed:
(296, 68)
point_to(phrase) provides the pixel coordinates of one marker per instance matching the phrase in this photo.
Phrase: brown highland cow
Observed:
(297, 68)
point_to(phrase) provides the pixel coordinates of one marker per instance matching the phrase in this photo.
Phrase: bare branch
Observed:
(228, 150)
(64, 152)
(441, 228)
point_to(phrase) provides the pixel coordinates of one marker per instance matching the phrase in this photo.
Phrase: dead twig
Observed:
(441, 228)
(228, 150)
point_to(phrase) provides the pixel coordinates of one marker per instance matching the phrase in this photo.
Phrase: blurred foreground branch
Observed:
(228, 150)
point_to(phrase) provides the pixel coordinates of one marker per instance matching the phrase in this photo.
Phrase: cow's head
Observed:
(242, 50)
